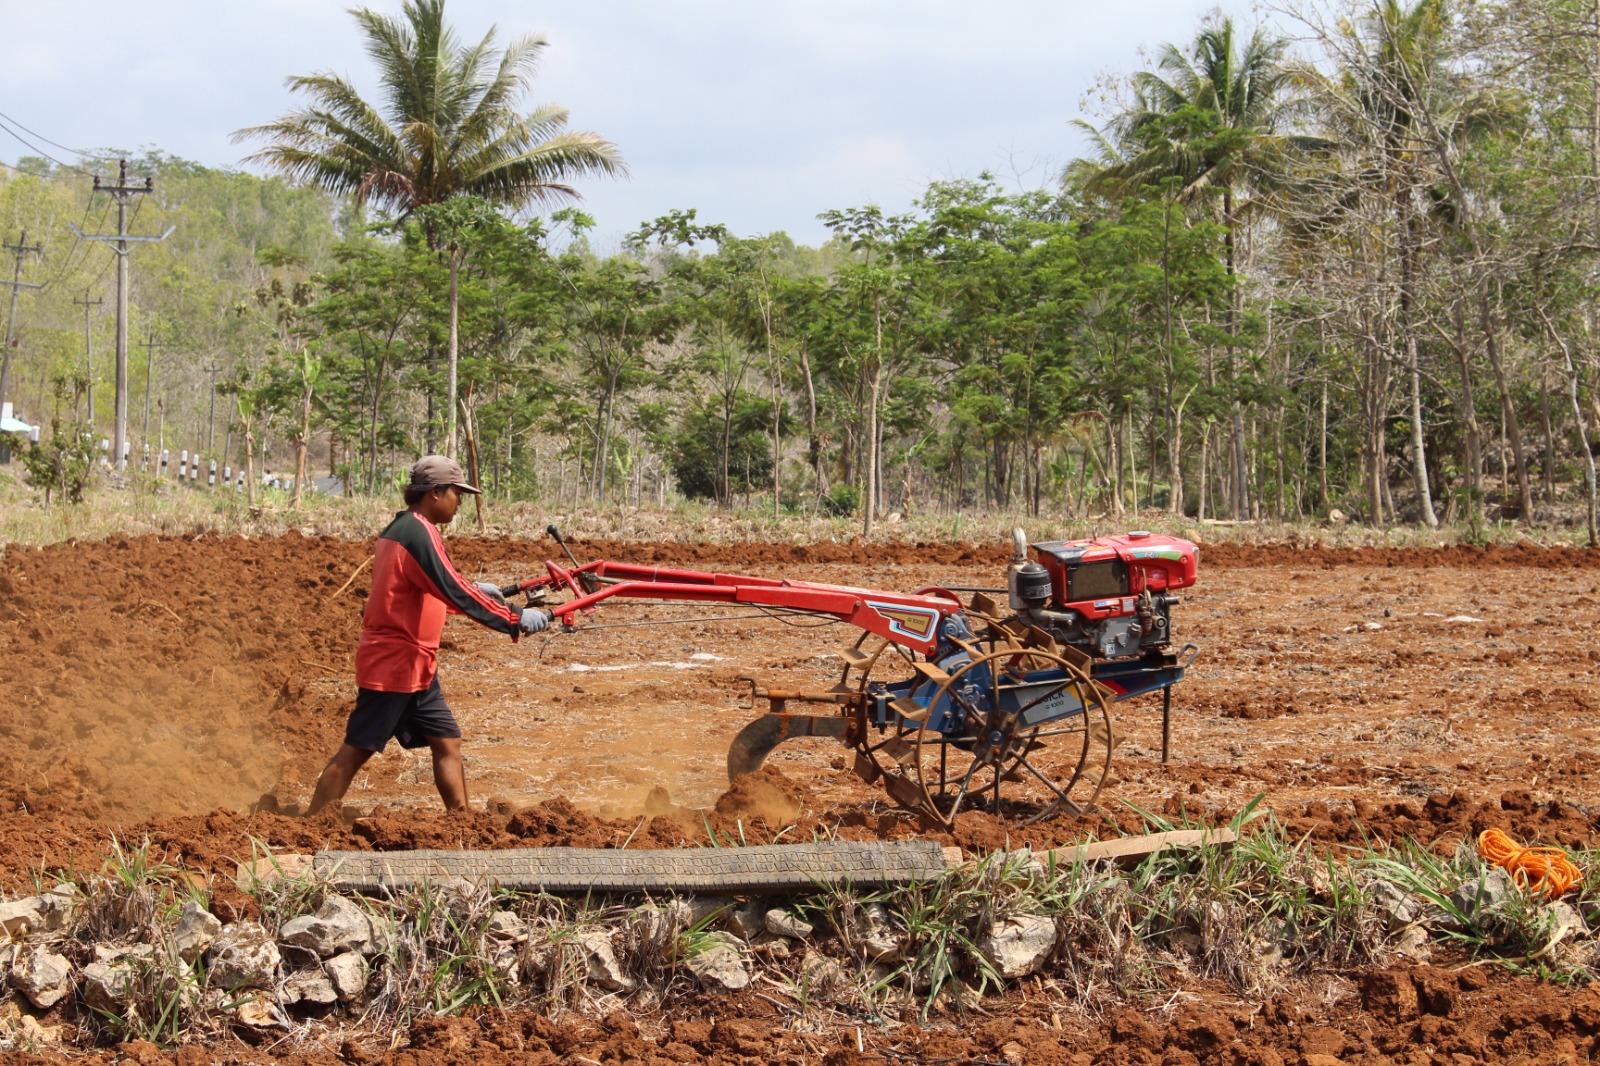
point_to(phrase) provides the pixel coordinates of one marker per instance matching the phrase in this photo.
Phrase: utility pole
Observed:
(88, 348)
(150, 347)
(211, 415)
(123, 194)
(22, 251)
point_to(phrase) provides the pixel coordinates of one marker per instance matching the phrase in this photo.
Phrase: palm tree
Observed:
(448, 127)
(1210, 121)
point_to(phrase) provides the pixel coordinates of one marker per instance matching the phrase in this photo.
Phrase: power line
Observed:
(66, 260)
(44, 153)
(79, 152)
(98, 278)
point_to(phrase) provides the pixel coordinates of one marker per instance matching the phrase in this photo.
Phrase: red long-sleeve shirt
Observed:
(413, 587)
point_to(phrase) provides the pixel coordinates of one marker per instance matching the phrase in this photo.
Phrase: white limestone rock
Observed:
(196, 929)
(720, 968)
(309, 987)
(348, 974)
(780, 922)
(243, 956)
(338, 926)
(1019, 945)
(601, 962)
(41, 975)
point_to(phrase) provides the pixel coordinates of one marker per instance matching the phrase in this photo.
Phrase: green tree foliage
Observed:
(448, 127)
(1356, 274)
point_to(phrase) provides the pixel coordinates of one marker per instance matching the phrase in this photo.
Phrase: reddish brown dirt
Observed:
(1421, 1015)
(189, 690)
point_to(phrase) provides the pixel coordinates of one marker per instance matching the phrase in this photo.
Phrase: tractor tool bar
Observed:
(910, 620)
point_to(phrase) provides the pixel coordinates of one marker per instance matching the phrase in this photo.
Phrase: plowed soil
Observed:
(189, 691)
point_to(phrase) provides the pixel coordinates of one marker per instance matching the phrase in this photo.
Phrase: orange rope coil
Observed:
(1543, 870)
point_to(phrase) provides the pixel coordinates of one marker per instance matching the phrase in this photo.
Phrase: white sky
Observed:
(756, 113)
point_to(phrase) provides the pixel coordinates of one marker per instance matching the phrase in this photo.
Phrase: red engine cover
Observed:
(1102, 577)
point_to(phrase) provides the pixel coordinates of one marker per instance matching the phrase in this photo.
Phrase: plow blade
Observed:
(756, 740)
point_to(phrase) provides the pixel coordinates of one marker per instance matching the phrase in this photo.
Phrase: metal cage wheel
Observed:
(993, 760)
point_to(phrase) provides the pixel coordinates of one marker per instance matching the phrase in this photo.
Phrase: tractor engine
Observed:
(1109, 597)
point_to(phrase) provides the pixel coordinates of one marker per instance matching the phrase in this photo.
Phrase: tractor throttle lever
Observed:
(589, 582)
(556, 533)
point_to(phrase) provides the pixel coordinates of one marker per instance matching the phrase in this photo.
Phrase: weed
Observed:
(160, 992)
(280, 895)
(130, 898)
(942, 921)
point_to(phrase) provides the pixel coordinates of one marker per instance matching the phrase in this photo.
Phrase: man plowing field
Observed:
(414, 587)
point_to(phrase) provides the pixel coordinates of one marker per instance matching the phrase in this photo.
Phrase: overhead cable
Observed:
(42, 152)
(79, 152)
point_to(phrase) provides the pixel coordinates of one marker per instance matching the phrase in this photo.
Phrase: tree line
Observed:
(1357, 275)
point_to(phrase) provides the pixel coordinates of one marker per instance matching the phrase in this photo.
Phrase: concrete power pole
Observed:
(150, 347)
(88, 347)
(211, 414)
(22, 251)
(123, 194)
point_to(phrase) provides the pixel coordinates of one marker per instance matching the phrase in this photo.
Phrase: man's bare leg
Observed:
(448, 775)
(337, 775)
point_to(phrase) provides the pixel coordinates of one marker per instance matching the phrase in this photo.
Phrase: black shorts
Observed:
(409, 717)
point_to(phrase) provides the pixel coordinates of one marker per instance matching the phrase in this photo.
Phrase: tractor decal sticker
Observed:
(915, 622)
(1163, 553)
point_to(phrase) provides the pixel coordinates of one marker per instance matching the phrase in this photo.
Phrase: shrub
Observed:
(842, 502)
(63, 464)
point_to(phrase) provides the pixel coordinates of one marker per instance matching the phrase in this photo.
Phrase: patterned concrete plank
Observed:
(764, 868)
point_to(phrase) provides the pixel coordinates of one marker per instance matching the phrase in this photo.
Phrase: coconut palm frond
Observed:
(447, 124)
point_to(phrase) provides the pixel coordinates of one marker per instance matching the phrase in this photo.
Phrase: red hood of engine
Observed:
(1155, 561)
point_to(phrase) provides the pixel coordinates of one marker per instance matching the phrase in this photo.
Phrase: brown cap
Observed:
(432, 471)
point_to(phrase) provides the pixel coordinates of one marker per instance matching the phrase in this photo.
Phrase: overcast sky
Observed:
(758, 114)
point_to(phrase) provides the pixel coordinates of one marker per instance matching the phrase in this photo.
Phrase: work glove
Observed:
(534, 621)
(492, 591)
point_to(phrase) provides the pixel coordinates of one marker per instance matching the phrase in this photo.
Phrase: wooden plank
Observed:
(1130, 851)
